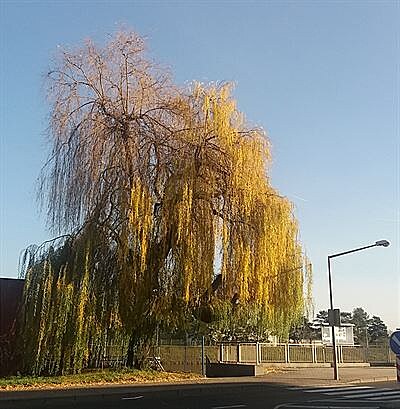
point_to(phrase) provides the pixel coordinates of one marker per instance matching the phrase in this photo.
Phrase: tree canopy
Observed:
(155, 189)
(366, 330)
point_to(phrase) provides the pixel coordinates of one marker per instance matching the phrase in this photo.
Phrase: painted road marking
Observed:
(355, 393)
(366, 392)
(359, 395)
(376, 392)
(229, 407)
(132, 397)
(295, 405)
(342, 401)
(346, 388)
(322, 387)
(388, 395)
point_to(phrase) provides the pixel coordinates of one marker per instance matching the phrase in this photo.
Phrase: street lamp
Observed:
(383, 243)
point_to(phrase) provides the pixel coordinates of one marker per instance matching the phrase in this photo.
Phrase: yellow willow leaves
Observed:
(80, 351)
(140, 220)
(261, 257)
(65, 316)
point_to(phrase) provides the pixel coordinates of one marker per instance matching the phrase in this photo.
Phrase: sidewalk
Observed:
(297, 377)
(324, 376)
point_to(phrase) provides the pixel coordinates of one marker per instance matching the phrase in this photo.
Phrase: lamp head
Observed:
(383, 243)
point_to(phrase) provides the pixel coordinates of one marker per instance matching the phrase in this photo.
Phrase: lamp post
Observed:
(383, 243)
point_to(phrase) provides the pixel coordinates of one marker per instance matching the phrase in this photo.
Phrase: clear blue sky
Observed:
(322, 77)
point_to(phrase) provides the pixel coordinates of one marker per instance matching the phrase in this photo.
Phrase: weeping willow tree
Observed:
(160, 189)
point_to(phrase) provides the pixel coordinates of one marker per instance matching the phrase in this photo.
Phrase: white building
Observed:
(343, 334)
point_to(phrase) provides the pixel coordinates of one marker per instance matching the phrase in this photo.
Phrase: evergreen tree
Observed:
(377, 330)
(360, 319)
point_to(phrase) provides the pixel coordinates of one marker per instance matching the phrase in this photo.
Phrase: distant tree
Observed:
(304, 331)
(364, 327)
(321, 318)
(377, 330)
(360, 319)
(345, 317)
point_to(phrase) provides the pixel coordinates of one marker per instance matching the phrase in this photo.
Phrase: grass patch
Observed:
(105, 377)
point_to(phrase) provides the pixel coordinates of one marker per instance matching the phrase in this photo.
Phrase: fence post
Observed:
(158, 339)
(239, 358)
(257, 353)
(203, 360)
(185, 358)
(221, 353)
(287, 355)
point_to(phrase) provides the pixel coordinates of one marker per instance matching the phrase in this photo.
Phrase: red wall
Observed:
(10, 298)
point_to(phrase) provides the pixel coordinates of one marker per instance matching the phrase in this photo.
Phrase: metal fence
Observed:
(188, 358)
(303, 353)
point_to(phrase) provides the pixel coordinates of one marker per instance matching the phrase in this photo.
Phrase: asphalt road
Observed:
(383, 395)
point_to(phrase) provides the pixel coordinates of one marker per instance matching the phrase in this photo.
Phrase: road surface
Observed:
(237, 395)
